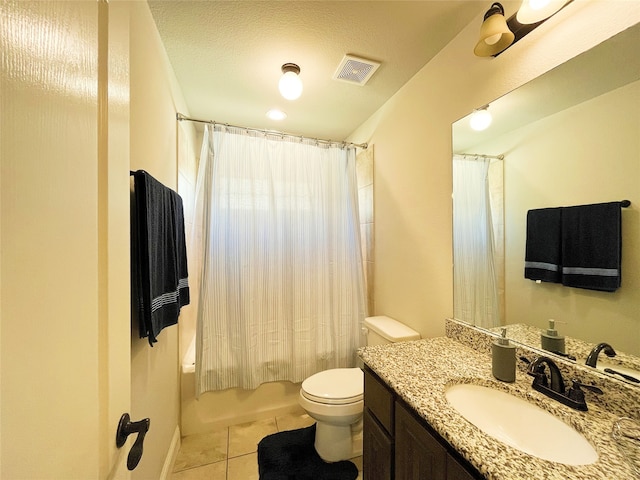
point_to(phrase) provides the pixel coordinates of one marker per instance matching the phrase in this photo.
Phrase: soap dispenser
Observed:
(503, 358)
(550, 340)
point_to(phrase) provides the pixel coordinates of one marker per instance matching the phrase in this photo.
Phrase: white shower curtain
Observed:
(474, 272)
(281, 293)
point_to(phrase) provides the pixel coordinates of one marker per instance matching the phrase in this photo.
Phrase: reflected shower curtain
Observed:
(281, 293)
(474, 272)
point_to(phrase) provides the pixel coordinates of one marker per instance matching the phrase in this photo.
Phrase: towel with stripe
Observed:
(578, 246)
(160, 284)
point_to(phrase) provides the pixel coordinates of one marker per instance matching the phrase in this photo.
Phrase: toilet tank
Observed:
(383, 329)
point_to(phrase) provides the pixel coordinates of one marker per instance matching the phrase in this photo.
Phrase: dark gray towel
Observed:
(592, 246)
(543, 259)
(159, 259)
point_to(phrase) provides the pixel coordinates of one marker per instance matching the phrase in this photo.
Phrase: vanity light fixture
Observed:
(534, 11)
(531, 15)
(290, 85)
(495, 35)
(275, 114)
(480, 119)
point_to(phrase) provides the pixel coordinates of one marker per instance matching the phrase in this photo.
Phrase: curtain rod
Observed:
(497, 157)
(180, 117)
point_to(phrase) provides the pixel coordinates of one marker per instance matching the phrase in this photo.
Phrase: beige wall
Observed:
(412, 137)
(589, 153)
(155, 99)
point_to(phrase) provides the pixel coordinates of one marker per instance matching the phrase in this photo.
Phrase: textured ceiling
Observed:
(227, 56)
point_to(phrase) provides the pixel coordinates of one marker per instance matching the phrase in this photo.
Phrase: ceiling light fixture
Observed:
(290, 84)
(480, 119)
(275, 114)
(495, 35)
(534, 11)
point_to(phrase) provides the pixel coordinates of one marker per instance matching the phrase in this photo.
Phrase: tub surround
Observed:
(420, 371)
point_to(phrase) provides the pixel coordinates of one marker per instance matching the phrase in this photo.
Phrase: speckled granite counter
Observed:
(419, 372)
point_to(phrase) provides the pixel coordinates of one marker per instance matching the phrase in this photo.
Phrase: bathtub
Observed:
(215, 410)
(189, 360)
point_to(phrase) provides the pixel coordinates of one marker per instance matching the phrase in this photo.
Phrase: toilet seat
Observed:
(338, 386)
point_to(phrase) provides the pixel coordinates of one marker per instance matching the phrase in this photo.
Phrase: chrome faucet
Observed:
(553, 386)
(592, 359)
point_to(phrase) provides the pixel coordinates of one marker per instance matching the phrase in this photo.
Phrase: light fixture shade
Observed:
(495, 35)
(290, 85)
(534, 11)
(480, 119)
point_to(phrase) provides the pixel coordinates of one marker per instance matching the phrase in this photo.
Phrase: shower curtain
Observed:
(282, 285)
(475, 272)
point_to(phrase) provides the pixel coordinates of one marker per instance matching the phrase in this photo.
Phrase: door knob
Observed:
(125, 428)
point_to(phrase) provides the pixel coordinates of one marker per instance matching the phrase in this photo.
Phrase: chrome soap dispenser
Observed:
(503, 359)
(551, 341)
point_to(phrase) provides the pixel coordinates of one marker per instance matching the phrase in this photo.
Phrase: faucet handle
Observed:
(538, 374)
(592, 388)
(576, 394)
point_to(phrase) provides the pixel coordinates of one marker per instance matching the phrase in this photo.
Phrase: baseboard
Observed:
(170, 459)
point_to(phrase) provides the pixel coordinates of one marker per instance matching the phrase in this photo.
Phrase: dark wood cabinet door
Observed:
(379, 399)
(377, 451)
(418, 454)
(455, 471)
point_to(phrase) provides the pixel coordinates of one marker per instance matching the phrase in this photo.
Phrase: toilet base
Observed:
(333, 442)
(338, 442)
(356, 439)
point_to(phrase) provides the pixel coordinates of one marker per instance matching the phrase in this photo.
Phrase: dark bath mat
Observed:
(291, 455)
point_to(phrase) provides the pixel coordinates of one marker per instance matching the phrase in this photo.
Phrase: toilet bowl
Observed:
(334, 398)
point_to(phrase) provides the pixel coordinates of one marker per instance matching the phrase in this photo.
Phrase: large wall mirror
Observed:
(570, 137)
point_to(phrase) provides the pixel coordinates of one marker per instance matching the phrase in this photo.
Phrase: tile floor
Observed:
(231, 453)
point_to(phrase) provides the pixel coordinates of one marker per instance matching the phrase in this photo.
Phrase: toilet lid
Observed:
(335, 387)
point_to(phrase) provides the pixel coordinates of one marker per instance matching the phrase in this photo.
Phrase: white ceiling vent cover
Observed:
(355, 70)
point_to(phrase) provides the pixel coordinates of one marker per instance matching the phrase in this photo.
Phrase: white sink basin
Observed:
(520, 424)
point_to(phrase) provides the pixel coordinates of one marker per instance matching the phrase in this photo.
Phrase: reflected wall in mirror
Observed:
(570, 137)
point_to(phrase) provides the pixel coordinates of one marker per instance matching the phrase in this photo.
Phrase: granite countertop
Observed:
(420, 371)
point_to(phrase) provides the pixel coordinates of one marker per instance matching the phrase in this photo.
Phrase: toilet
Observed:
(334, 398)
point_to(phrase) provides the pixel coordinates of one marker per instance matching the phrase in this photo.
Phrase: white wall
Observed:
(412, 138)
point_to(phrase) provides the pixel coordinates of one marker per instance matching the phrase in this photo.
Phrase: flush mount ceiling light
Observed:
(495, 35)
(290, 84)
(275, 114)
(534, 11)
(480, 119)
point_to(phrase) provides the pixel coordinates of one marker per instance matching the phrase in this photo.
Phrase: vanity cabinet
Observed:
(401, 445)
(378, 427)
(377, 455)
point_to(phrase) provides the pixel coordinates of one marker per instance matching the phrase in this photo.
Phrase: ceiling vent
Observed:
(355, 70)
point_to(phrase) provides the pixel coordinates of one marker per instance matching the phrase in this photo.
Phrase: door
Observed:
(64, 239)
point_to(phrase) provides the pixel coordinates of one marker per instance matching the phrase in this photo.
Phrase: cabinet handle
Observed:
(125, 428)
